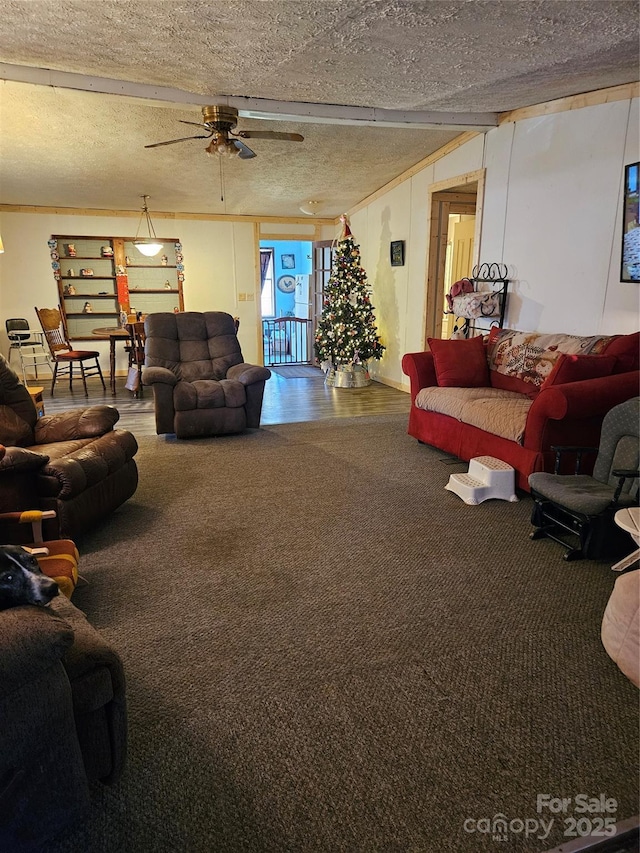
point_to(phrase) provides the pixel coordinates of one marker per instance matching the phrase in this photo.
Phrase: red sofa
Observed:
(561, 412)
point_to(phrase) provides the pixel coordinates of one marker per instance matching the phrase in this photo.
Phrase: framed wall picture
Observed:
(397, 253)
(630, 265)
(286, 284)
(288, 262)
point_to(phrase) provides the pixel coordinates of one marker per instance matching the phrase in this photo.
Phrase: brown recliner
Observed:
(80, 466)
(63, 717)
(201, 384)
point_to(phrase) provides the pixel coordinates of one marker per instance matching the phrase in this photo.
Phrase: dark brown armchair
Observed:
(74, 463)
(64, 720)
(201, 384)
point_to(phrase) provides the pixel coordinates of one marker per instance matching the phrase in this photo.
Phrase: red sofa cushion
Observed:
(576, 368)
(460, 364)
(626, 349)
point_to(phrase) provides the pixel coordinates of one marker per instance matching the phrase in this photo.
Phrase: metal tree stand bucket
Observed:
(347, 376)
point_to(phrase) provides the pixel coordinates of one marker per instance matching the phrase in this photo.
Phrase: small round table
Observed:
(35, 392)
(114, 334)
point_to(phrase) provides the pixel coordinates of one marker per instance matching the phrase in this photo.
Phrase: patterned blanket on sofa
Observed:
(530, 356)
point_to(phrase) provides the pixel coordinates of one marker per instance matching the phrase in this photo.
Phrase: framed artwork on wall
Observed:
(286, 284)
(630, 263)
(288, 262)
(397, 253)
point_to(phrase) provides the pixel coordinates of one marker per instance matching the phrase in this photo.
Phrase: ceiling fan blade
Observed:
(194, 123)
(245, 152)
(270, 134)
(172, 141)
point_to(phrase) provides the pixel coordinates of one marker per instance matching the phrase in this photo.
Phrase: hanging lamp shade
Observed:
(148, 246)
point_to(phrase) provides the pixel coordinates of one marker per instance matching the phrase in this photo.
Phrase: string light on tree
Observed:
(347, 336)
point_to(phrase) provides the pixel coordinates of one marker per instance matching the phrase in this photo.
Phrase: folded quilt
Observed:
(502, 413)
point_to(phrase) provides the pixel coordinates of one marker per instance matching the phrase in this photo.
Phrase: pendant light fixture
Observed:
(148, 246)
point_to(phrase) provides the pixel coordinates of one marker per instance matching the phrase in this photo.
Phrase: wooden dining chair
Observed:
(63, 354)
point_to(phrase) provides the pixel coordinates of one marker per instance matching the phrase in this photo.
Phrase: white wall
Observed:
(219, 259)
(552, 212)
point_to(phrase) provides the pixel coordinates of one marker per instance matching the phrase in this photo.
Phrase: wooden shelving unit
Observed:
(121, 278)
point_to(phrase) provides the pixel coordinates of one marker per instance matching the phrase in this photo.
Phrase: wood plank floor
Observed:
(285, 401)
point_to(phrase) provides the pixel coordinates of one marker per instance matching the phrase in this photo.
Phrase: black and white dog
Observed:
(21, 581)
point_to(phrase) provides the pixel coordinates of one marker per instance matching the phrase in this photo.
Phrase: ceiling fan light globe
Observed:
(310, 207)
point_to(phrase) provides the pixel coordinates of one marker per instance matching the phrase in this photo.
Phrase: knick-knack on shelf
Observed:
(87, 308)
(167, 285)
(70, 290)
(164, 260)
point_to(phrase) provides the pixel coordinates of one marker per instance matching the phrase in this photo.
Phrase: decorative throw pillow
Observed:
(626, 349)
(575, 368)
(528, 358)
(460, 364)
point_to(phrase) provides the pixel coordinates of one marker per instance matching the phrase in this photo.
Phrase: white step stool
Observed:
(487, 478)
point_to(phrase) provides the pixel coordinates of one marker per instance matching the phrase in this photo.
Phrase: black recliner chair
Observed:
(577, 510)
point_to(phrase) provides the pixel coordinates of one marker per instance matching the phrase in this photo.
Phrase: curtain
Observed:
(265, 257)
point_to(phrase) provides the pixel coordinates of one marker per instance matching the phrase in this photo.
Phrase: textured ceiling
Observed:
(72, 148)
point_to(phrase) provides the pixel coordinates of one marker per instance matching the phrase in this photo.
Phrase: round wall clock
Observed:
(286, 283)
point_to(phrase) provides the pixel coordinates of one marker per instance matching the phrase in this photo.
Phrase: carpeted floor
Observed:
(327, 651)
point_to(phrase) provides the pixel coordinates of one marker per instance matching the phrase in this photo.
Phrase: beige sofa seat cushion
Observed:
(499, 412)
(620, 631)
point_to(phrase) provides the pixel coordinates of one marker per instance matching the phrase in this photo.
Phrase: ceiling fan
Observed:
(218, 122)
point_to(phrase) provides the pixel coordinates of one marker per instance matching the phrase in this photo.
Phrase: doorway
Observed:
(458, 262)
(454, 249)
(294, 274)
(285, 301)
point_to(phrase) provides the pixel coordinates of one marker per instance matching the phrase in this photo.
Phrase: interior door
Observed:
(442, 205)
(462, 248)
(462, 236)
(322, 255)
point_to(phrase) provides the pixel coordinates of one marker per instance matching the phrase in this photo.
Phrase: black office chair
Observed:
(570, 507)
(29, 345)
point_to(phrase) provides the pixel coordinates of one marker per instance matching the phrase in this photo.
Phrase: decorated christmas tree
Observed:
(347, 333)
